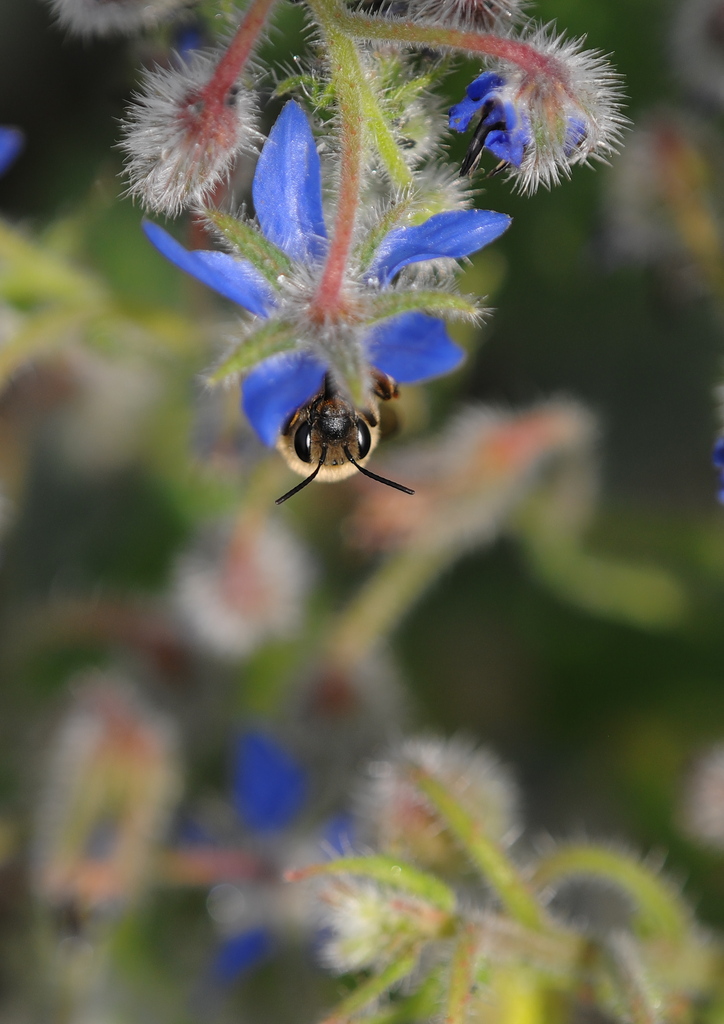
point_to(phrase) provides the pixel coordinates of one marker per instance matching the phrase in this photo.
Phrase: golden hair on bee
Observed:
(331, 432)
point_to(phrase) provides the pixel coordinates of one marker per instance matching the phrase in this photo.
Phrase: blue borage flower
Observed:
(717, 459)
(269, 791)
(542, 120)
(501, 129)
(287, 366)
(11, 143)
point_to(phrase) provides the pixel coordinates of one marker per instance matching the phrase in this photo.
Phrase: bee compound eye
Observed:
(364, 440)
(303, 442)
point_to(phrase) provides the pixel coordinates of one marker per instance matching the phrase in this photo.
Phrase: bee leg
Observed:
(383, 386)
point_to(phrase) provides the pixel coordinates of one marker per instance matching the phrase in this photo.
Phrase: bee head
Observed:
(331, 435)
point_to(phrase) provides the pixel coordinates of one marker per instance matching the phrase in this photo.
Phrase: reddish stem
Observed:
(238, 52)
(329, 299)
(524, 55)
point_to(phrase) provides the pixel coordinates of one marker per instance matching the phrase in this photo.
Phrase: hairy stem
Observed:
(659, 910)
(238, 52)
(527, 57)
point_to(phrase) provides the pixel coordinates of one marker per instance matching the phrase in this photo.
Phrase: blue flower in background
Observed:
(717, 458)
(269, 790)
(410, 347)
(269, 787)
(11, 143)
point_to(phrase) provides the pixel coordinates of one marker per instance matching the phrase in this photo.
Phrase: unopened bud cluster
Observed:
(463, 935)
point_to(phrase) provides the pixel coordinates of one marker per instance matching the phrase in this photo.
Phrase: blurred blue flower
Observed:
(269, 789)
(241, 953)
(411, 347)
(11, 143)
(717, 458)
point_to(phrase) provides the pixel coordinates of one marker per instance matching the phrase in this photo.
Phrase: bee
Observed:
(329, 433)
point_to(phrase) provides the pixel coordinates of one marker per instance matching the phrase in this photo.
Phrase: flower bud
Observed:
(703, 804)
(182, 134)
(468, 480)
(241, 584)
(557, 106)
(111, 17)
(111, 783)
(404, 823)
(469, 15)
(372, 925)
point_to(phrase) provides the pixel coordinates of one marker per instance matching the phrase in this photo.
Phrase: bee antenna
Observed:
(374, 476)
(303, 484)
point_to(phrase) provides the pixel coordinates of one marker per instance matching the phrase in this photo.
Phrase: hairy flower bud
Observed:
(467, 481)
(111, 17)
(469, 15)
(401, 817)
(182, 133)
(111, 784)
(240, 584)
(703, 804)
(372, 925)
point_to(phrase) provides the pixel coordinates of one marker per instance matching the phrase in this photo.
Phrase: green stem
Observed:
(389, 871)
(372, 989)
(30, 273)
(659, 910)
(462, 976)
(347, 70)
(493, 864)
(381, 603)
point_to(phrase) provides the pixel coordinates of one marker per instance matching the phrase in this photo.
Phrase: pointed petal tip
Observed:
(235, 279)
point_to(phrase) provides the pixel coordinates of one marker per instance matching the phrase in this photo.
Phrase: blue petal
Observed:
(11, 142)
(241, 953)
(234, 278)
(276, 388)
(412, 348)
(486, 83)
(717, 455)
(462, 113)
(269, 787)
(455, 233)
(507, 146)
(576, 133)
(287, 188)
